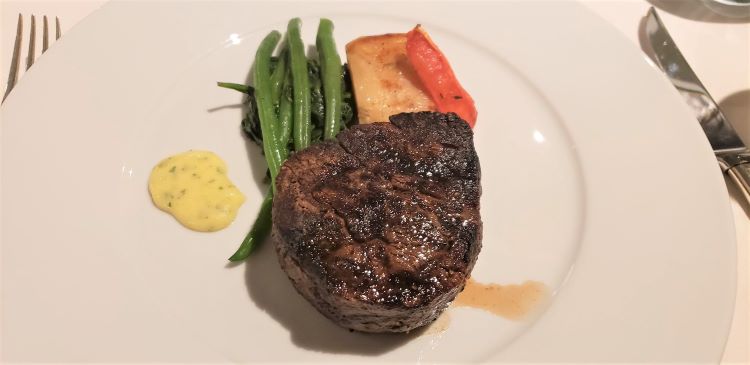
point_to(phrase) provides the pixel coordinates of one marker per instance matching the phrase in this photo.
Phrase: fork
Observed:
(31, 56)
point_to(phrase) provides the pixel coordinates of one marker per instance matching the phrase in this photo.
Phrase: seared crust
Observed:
(380, 228)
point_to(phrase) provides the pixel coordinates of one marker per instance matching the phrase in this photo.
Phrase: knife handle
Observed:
(737, 166)
(741, 176)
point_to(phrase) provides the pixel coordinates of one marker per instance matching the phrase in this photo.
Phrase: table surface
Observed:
(714, 38)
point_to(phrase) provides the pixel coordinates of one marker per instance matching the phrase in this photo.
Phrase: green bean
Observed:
(275, 153)
(285, 110)
(238, 87)
(301, 85)
(266, 88)
(332, 77)
(277, 77)
(261, 227)
(268, 91)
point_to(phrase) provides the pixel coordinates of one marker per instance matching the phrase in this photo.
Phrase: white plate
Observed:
(596, 179)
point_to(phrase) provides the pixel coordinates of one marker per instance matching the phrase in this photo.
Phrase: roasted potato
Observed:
(384, 81)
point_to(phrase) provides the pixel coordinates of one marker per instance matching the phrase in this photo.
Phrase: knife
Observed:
(731, 152)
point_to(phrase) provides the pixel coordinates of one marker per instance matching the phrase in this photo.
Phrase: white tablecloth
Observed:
(715, 42)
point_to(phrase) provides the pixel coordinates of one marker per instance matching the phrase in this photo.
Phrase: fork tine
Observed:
(16, 60)
(32, 43)
(45, 36)
(57, 28)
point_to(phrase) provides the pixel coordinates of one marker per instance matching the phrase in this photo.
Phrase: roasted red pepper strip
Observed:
(437, 76)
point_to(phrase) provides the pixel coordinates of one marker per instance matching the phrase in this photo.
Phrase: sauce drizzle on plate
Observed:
(512, 301)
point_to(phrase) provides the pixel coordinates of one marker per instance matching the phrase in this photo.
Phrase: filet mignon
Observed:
(380, 228)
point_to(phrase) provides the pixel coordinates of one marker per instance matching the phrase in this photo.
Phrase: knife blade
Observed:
(731, 152)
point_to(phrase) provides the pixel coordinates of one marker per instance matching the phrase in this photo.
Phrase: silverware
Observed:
(731, 152)
(31, 56)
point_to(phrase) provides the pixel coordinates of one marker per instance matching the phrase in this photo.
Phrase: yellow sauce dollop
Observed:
(193, 187)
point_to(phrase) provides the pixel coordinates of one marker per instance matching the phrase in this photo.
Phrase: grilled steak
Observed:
(380, 228)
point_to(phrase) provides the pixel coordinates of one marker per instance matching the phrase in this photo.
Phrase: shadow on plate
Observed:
(257, 162)
(704, 10)
(273, 293)
(229, 106)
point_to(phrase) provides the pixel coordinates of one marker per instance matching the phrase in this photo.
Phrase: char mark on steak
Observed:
(380, 228)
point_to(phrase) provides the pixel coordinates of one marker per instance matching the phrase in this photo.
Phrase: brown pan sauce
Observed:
(511, 301)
